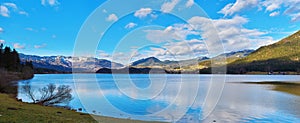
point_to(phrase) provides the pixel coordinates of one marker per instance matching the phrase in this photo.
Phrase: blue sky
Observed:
(167, 29)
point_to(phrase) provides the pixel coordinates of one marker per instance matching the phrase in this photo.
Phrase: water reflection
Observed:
(239, 102)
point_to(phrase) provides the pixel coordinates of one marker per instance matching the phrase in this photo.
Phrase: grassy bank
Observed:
(12, 110)
(286, 87)
(291, 89)
(274, 73)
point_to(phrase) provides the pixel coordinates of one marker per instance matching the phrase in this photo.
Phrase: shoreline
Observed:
(285, 87)
(12, 110)
(169, 74)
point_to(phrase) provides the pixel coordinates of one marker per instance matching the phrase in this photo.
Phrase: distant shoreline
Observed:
(250, 73)
(286, 87)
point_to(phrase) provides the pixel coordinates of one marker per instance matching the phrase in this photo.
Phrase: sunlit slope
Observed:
(286, 49)
(281, 56)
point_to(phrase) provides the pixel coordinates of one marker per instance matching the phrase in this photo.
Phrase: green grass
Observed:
(291, 89)
(12, 110)
(286, 87)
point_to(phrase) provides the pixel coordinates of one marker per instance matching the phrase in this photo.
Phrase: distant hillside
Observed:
(151, 61)
(54, 64)
(287, 49)
(132, 70)
(230, 57)
(236, 54)
(282, 56)
(154, 65)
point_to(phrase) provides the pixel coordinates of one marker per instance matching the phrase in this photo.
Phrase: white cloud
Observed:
(143, 12)
(175, 44)
(1, 30)
(189, 3)
(50, 2)
(182, 50)
(274, 14)
(6, 8)
(4, 11)
(121, 57)
(293, 10)
(103, 55)
(168, 6)
(231, 32)
(104, 11)
(112, 17)
(177, 32)
(159, 36)
(272, 5)
(40, 46)
(2, 41)
(23, 13)
(290, 7)
(188, 47)
(130, 25)
(295, 17)
(11, 5)
(29, 29)
(18, 46)
(239, 5)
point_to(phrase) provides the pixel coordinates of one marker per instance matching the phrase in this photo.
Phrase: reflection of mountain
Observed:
(65, 64)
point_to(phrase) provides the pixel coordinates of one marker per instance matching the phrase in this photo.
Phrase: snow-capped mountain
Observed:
(65, 64)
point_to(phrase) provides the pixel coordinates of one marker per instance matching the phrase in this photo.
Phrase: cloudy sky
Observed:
(167, 29)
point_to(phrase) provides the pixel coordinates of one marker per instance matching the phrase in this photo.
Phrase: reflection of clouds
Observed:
(242, 101)
(238, 102)
(167, 95)
(177, 103)
(88, 91)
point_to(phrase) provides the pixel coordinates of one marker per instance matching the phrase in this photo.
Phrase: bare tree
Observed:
(27, 89)
(49, 95)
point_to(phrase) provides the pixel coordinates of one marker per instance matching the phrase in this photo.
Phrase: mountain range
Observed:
(58, 64)
(153, 62)
(65, 63)
(281, 56)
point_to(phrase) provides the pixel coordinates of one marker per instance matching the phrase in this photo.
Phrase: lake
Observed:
(180, 98)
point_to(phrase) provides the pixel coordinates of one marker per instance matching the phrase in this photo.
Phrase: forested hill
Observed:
(11, 69)
(283, 56)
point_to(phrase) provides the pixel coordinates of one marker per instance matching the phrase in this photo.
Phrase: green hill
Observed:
(283, 56)
(286, 49)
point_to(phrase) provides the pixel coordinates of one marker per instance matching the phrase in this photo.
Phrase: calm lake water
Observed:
(178, 97)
